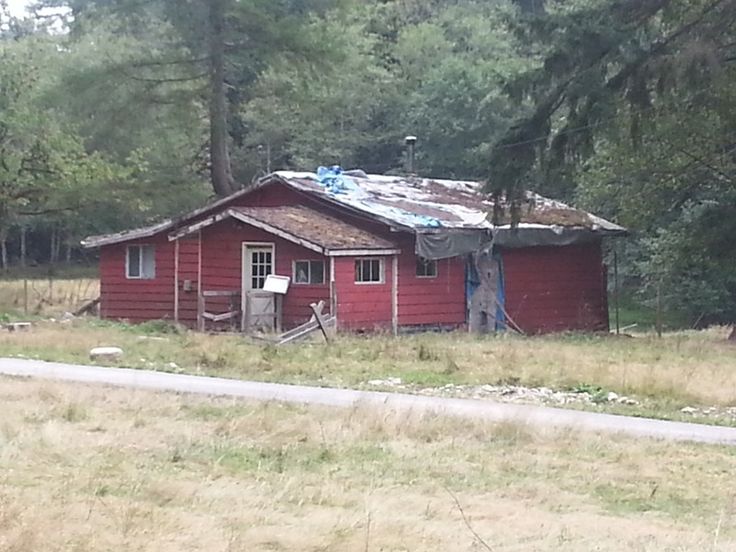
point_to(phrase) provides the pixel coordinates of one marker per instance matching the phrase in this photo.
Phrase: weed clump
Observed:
(425, 354)
(73, 412)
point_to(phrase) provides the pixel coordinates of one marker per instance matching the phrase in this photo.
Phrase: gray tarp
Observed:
(450, 243)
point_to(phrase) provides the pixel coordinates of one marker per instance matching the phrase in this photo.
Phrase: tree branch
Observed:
(170, 62)
(467, 522)
(173, 79)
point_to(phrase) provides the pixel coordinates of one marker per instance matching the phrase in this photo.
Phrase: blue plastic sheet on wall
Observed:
(500, 293)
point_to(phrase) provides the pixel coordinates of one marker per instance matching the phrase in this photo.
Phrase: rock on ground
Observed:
(105, 353)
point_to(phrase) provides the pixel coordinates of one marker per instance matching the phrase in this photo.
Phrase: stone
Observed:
(628, 401)
(688, 410)
(387, 382)
(612, 396)
(18, 326)
(105, 353)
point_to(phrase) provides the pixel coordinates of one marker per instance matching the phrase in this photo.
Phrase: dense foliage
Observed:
(120, 112)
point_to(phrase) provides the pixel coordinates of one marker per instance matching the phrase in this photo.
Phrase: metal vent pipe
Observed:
(410, 142)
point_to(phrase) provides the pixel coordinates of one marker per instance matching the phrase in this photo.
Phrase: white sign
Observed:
(277, 284)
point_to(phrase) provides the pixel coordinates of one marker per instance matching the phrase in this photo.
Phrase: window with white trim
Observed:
(140, 262)
(261, 265)
(426, 268)
(369, 271)
(309, 272)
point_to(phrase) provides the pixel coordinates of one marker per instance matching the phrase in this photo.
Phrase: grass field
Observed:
(683, 368)
(44, 296)
(97, 469)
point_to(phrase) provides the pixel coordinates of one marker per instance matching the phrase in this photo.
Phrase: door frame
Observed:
(245, 274)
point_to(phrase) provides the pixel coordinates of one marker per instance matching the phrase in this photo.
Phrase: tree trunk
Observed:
(57, 253)
(220, 169)
(52, 246)
(23, 246)
(3, 251)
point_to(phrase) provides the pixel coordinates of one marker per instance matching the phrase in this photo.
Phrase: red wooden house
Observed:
(383, 252)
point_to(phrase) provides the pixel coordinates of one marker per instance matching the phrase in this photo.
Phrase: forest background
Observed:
(116, 113)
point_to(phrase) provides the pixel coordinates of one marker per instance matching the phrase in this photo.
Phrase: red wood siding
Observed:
(137, 300)
(188, 272)
(439, 300)
(222, 266)
(552, 289)
(547, 288)
(362, 306)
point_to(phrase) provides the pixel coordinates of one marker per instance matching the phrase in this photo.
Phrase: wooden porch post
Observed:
(333, 291)
(395, 294)
(176, 280)
(200, 299)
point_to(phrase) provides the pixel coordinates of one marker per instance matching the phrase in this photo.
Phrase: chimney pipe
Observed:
(410, 142)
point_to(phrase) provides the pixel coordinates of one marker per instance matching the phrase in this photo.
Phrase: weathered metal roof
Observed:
(426, 203)
(415, 204)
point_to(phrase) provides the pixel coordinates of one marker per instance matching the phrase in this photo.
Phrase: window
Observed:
(369, 271)
(140, 262)
(426, 268)
(261, 265)
(309, 272)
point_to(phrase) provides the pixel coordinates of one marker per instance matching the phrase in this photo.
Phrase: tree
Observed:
(596, 58)
(630, 117)
(434, 69)
(44, 169)
(221, 63)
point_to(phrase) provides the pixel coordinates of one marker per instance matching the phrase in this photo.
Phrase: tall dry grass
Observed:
(684, 368)
(142, 471)
(50, 297)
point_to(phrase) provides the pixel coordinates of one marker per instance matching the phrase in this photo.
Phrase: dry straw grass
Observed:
(141, 471)
(682, 368)
(47, 297)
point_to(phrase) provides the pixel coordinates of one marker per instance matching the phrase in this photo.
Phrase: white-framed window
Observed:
(426, 268)
(309, 272)
(140, 262)
(261, 265)
(369, 271)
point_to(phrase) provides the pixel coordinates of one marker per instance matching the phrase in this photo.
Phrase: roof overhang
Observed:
(127, 235)
(539, 234)
(271, 229)
(148, 231)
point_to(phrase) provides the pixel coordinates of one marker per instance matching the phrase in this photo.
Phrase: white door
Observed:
(259, 307)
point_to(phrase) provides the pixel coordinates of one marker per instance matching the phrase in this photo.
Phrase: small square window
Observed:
(140, 262)
(309, 272)
(369, 271)
(426, 268)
